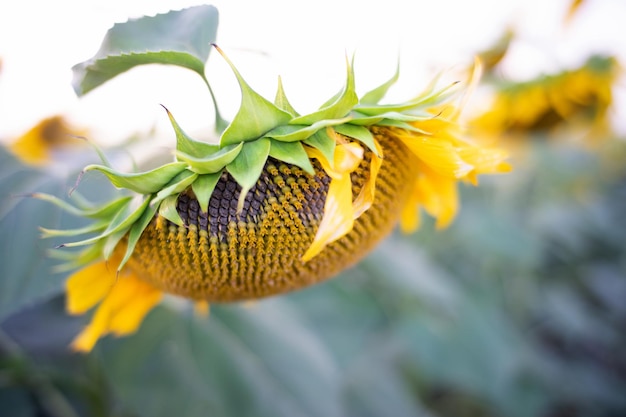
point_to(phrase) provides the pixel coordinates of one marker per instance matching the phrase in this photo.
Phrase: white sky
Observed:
(304, 42)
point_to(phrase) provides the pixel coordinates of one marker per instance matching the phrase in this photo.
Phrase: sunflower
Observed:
(282, 202)
(581, 96)
(37, 145)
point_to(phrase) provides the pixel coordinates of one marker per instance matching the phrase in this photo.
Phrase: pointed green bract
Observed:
(211, 163)
(91, 228)
(247, 167)
(143, 182)
(297, 133)
(377, 94)
(281, 100)
(326, 145)
(121, 222)
(338, 107)
(178, 184)
(167, 209)
(187, 145)
(135, 233)
(256, 115)
(203, 188)
(292, 153)
(181, 38)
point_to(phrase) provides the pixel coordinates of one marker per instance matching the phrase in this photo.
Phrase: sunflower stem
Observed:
(220, 123)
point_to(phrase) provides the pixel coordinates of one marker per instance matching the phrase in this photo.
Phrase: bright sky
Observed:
(304, 42)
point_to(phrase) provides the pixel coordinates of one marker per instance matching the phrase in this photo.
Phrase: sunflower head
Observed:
(281, 201)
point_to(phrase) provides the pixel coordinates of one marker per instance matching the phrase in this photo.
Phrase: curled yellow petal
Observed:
(338, 218)
(366, 197)
(121, 312)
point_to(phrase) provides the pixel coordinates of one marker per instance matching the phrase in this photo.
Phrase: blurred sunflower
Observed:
(573, 98)
(38, 144)
(282, 202)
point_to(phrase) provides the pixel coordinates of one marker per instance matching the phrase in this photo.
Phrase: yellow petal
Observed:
(86, 287)
(440, 155)
(338, 216)
(438, 195)
(121, 312)
(202, 308)
(366, 197)
(410, 216)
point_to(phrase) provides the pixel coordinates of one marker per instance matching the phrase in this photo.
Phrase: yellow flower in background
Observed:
(36, 146)
(580, 98)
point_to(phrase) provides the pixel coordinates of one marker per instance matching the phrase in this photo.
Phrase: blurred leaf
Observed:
(181, 38)
(17, 402)
(25, 270)
(260, 361)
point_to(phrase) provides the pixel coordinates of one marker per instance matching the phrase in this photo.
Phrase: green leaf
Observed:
(338, 107)
(322, 141)
(27, 272)
(292, 153)
(296, 133)
(213, 163)
(266, 354)
(377, 94)
(359, 133)
(168, 209)
(203, 187)
(281, 100)
(148, 182)
(181, 38)
(247, 167)
(256, 115)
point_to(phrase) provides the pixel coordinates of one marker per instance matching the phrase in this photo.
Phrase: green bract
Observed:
(259, 130)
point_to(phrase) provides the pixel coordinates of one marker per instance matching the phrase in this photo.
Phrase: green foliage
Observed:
(515, 310)
(181, 38)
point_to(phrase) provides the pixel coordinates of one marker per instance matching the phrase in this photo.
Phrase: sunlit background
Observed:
(517, 309)
(304, 42)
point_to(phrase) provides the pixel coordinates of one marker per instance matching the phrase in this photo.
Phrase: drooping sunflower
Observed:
(281, 202)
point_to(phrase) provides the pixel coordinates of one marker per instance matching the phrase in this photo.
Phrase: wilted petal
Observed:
(366, 197)
(121, 312)
(338, 216)
(88, 286)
